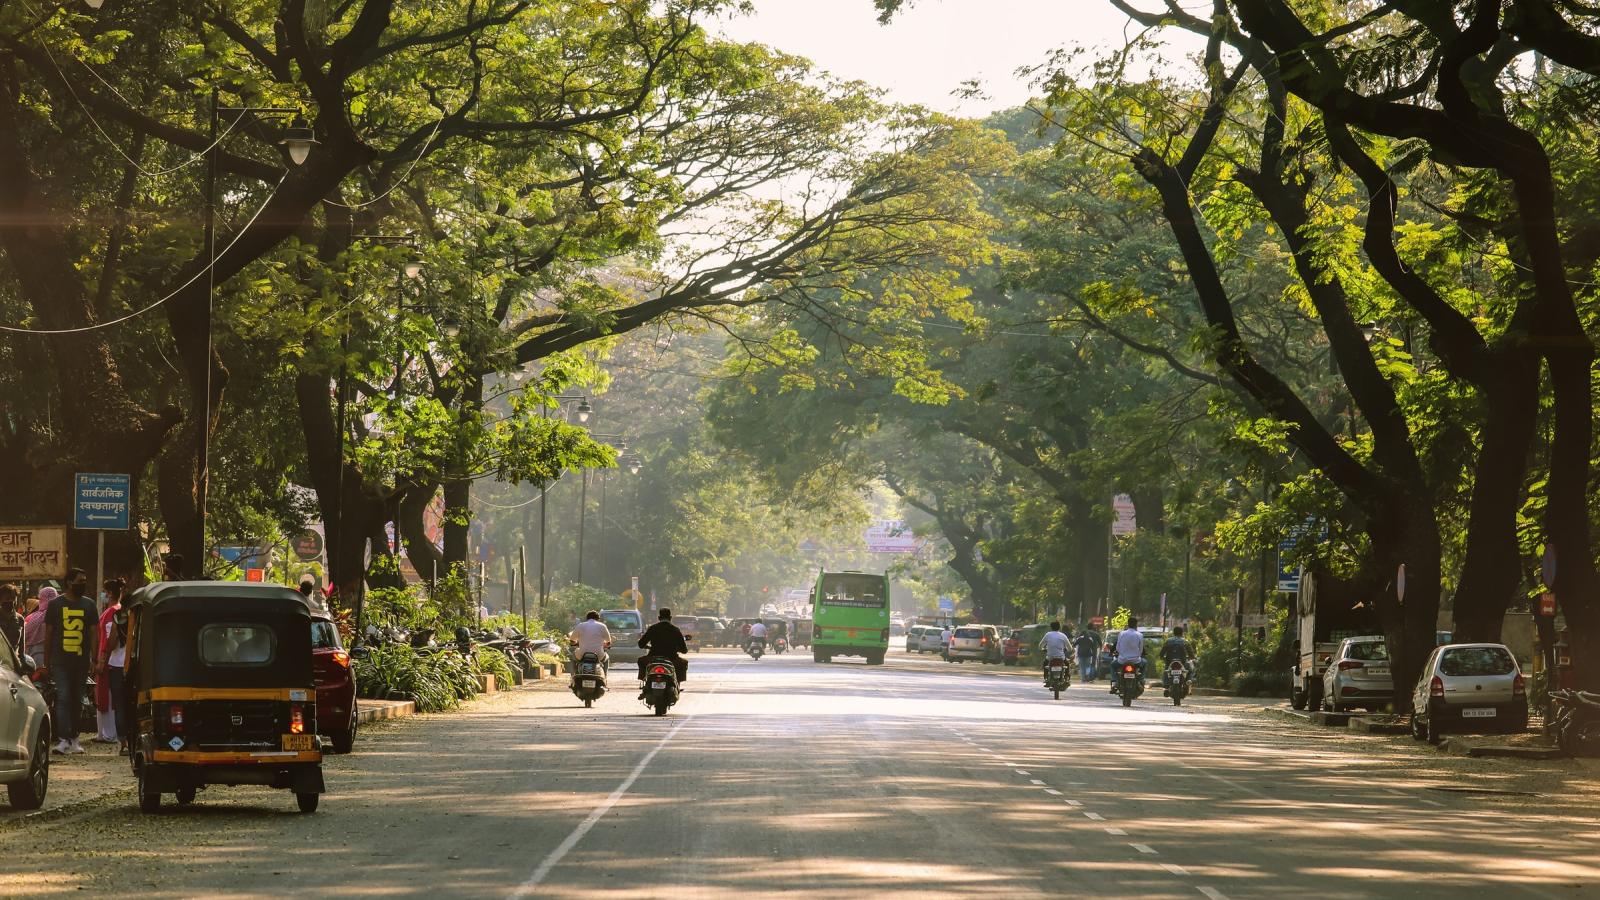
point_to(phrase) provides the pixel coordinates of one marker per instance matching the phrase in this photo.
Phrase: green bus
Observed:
(850, 616)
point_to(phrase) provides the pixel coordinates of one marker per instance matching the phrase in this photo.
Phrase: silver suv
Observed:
(24, 732)
(625, 626)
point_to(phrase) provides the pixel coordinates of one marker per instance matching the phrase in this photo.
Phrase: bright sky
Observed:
(930, 49)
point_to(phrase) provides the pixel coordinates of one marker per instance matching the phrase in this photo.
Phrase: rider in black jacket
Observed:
(663, 639)
(1175, 648)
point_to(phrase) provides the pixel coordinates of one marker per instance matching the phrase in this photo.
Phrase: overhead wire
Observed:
(18, 329)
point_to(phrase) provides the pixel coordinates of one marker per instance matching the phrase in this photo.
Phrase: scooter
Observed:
(1057, 677)
(1127, 682)
(780, 645)
(756, 647)
(589, 679)
(1177, 680)
(1574, 722)
(660, 684)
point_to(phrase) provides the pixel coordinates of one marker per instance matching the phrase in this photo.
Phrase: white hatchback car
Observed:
(24, 732)
(1470, 688)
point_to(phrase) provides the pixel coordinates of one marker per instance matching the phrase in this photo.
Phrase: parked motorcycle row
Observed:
(517, 647)
(1574, 721)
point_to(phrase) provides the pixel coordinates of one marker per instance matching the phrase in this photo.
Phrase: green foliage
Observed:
(489, 661)
(390, 672)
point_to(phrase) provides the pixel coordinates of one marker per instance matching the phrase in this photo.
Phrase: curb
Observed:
(1462, 747)
(1375, 726)
(370, 710)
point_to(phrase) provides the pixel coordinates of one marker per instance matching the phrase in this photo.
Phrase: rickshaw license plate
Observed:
(297, 742)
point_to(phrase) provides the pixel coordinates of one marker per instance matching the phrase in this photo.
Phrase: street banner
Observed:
(1126, 517)
(890, 536)
(33, 552)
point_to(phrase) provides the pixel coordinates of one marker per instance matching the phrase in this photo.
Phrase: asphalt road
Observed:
(842, 781)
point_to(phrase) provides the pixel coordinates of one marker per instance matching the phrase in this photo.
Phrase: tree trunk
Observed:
(422, 552)
(457, 524)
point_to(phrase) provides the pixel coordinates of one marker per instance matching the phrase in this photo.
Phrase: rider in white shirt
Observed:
(1130, 648)
(591, 636)
(1054, 644)
(758, 632)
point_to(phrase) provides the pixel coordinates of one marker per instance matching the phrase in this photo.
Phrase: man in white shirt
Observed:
(591, 636)
(1130, 649)
(758, 632)
(944, 642)
(1054, 645)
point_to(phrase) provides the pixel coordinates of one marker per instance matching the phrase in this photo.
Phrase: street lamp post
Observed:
(297, 140)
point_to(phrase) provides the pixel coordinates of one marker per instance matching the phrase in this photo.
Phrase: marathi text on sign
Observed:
(33, 552)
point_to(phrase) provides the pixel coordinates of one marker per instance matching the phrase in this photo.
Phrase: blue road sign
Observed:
(947, 605)
(101, 501)
(1288, 570)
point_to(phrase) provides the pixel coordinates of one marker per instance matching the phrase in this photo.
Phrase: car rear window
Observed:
(1368, 650)
(237, 644)
(969, 632)
(323, 635)
(621, 621)
(1476, 661)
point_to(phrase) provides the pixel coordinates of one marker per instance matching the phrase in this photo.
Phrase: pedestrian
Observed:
(70, 641)
(11, 617)
(1086, 645)
(104, 699)
(33, 625)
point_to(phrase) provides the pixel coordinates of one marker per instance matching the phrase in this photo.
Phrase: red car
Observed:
(336, 682)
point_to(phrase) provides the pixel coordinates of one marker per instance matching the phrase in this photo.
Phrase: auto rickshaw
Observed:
(221, 676)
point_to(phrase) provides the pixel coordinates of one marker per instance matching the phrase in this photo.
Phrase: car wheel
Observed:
(1416, 728)
(307, 802)
(345, 741)
(29, 792)
(1434, 733)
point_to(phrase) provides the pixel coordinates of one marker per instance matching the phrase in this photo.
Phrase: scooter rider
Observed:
(1054, 646)
(1176, 649)
(664, 640)
(591, 636)
(758, 632)
(1130, 649)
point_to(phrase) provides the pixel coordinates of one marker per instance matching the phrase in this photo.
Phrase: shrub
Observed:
(400, 673)
(489, 661)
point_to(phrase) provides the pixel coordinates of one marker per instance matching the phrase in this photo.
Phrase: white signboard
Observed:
(890, 536)
(1124, 521)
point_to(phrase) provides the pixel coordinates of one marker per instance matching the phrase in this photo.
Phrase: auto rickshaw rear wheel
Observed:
(185, 796)
(307, 802)
(149, 798)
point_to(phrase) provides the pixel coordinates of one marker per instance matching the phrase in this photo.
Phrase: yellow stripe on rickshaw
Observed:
(196, 693)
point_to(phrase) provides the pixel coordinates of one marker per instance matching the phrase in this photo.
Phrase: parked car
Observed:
(1028, 638)
(979, 642)
(1010, 648)
(1469, 688)
(625, 626)
(914, 638)
(928, 639)
(335, 680)
(24, 733)
(694, 630)
(1358, 675)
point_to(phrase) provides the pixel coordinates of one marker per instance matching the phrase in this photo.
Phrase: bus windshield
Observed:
(857, 590)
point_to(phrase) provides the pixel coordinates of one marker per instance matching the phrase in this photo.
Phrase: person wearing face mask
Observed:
(33, 625)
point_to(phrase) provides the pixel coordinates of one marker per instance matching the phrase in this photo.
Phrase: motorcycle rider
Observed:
(664, 640)
(1176, 649)
(1054, 646)
(1130, 649)
(591, 636)
(758, 632)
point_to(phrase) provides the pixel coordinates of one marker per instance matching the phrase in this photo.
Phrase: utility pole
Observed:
(522, 580)
(583, 511)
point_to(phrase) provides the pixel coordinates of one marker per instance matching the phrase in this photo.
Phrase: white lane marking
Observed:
(1213, 893)
(1144, 848)
(986, 750)
(1116, 831)
(1052, 792)
(1175, 870)
(565, 847)
(1023, 772)
(1071, 802)
(1430, 802)
(1036, 781)
(1095, 816)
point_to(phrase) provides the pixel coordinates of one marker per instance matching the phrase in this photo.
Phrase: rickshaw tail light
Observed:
(342, 657)
(175, 716)
(297, 719)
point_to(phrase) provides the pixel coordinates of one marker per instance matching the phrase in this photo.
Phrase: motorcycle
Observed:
(1127, 682)
(1574, 722)
(660, 684)
(780, 645)
(1056, 677)
(1177, 680)
(756, 647)
(589, 679)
